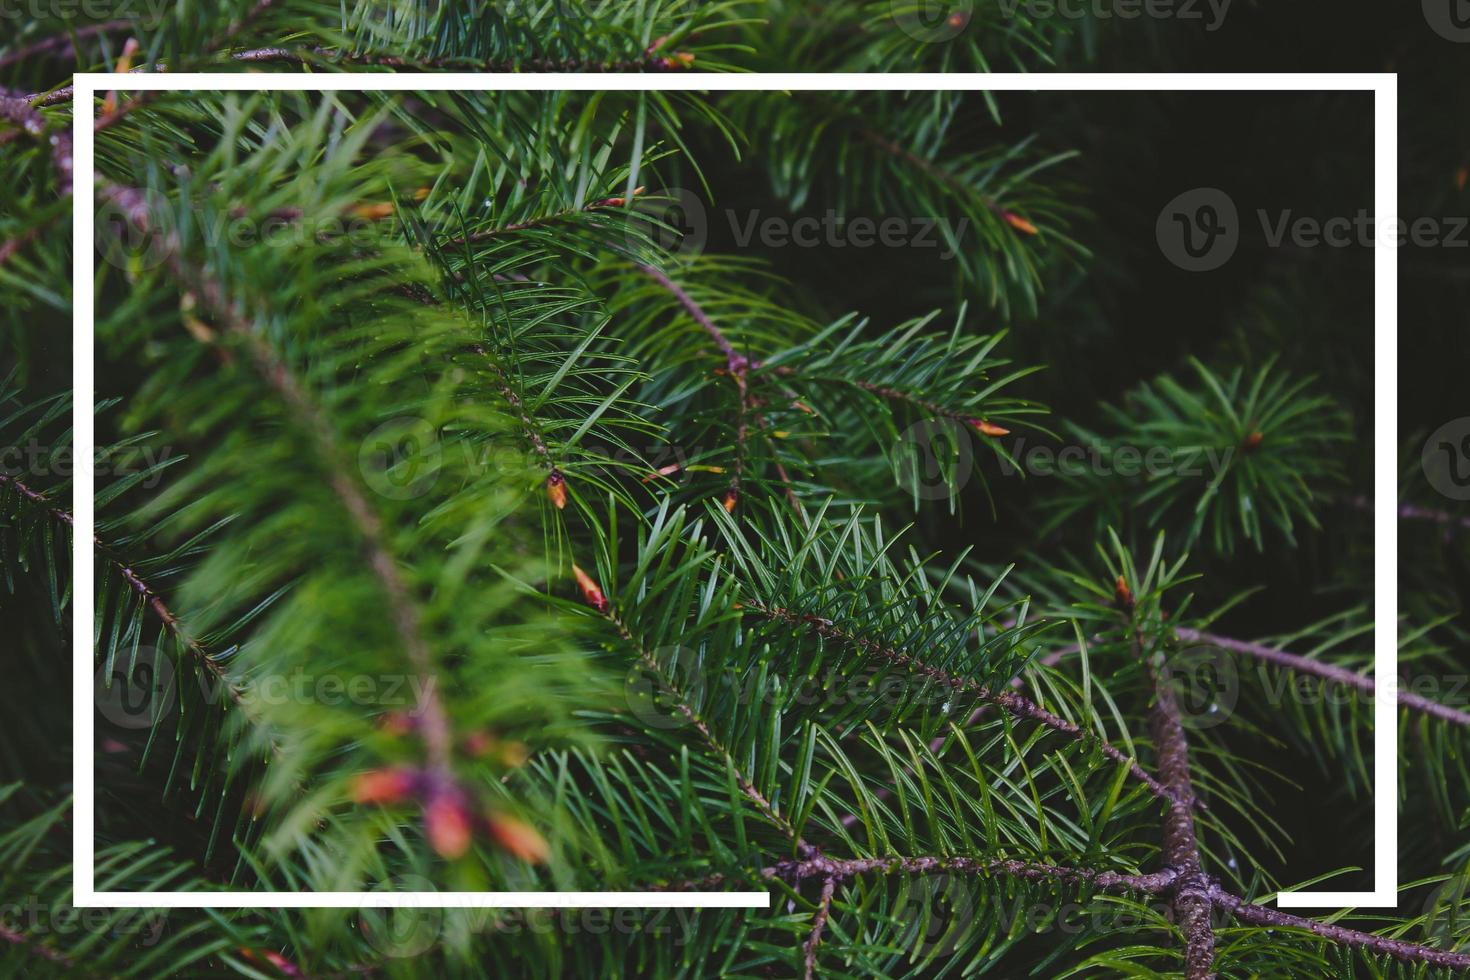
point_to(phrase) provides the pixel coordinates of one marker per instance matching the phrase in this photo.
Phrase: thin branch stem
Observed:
(61, 44)
(1016, 704)
(1190, 894)
(1398, 949)
(736, 363)
(1328, 672)
(314, 56)
(819, 923)
(701, 727)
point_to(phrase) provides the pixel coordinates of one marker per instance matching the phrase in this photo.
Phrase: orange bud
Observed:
(1019, 223)
(398, 723)
(1122, 593)
(447, 825)
(518, 839)
(123, 66)
(1253, 441)
(988, 429)
(374, 211)
(383, 786)
(959, 19)
(421, 193)
(732, 497)
(591, 591)
(678, 61)
(669, 470)
(285, 966)
(1461, 176)
(556, 489)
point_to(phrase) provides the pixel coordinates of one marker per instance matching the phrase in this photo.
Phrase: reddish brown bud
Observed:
(517, 838)
(591, 591)
(681, 60)
(732, 497)
(1122, 593)
(556, 489)
(669, 470)
(989, 429)
(398, 723)
(1019, 223)
(384, 786)
(373, 211)
(1252, 441)
(481, 744)
(447, 824)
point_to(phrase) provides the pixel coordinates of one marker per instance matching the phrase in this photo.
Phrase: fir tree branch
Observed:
(1286, 661)
(307, 57)
(599, 602)
(819, 923)
(826, 867)
(1414, 512)
(22, 114)
(1328, 672)
(1015, 704)
(64, 44)
(403, 612)
(1398, 949)
(37, 948)
(145, 592)
(1190, 895)
(736, 363)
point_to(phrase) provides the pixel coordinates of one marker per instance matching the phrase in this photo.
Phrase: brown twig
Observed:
(62, 44)
(736, 365)
(1328, 672)
(678, 61)
(1398, 949)
(1189, 896)
(22, 114)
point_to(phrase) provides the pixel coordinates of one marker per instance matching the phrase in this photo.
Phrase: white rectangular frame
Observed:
(1384, 87)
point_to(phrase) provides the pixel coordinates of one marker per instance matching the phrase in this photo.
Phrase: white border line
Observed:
(1385, 531)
